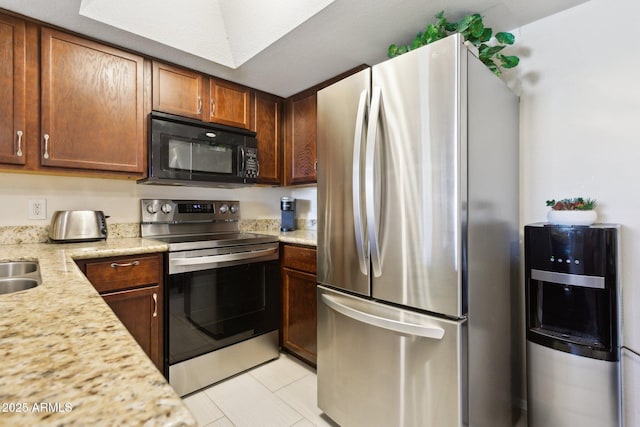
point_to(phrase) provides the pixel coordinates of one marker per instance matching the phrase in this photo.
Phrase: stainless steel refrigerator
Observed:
(417, 242)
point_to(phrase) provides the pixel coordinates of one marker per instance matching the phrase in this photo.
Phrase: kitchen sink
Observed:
(13, 268)
(15, 284)
(18, 276)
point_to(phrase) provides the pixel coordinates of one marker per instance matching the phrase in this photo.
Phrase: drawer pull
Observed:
(125, 264)
(155, 304)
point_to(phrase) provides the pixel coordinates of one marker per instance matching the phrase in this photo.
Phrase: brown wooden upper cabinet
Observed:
(267, 114)
(188, 93)
(12, 90)
(229, 103)
(300, 139)
(92, 105)
(300, 146)
(177, 90)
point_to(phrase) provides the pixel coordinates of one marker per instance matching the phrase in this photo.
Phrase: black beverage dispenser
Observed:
(573, 328)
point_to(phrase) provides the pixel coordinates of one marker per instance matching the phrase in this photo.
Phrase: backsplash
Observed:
(10, 235)
(274, 224)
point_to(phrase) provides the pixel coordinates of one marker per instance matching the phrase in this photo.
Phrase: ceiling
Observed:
(341, 35)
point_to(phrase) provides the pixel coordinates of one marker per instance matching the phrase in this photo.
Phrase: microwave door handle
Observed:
(242, 160)
(223, 258)
(425, 331)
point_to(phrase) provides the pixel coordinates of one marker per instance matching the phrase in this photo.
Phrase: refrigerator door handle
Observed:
(413, 329)
(372, 226)
(358, 223)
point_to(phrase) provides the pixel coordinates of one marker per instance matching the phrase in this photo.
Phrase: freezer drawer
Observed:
(383, 366)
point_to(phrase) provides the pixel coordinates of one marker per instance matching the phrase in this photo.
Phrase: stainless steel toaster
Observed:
(77, 226)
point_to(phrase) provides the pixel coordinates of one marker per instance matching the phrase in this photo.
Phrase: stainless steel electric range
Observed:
(222, 291)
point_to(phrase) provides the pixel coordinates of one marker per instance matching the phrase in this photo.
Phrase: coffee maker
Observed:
(288, 212)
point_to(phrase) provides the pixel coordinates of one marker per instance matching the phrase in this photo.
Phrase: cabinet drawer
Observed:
(299, 258)
(112, 274)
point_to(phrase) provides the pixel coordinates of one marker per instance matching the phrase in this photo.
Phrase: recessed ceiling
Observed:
(341, 35)
(227, 32)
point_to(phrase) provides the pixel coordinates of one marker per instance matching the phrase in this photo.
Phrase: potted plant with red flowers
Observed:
(572, 211)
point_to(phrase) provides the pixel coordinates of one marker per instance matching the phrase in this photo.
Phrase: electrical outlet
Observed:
(37, 209)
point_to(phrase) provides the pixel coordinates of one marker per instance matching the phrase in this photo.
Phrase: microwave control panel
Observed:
(251, 168)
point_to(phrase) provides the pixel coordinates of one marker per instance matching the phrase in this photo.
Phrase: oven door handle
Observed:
(223, 258)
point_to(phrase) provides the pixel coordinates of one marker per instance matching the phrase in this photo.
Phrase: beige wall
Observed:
(580, 128)
(120, 199)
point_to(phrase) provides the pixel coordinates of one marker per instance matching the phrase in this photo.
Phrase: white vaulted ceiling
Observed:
(227, 32)
(279, 46)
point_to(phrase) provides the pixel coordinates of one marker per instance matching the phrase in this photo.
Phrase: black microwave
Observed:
(190, 152)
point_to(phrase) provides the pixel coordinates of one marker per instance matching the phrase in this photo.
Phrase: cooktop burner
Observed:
(196, 224)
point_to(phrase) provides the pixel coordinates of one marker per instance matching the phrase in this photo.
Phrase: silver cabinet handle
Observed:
(124, 264)
(407, 328)
(46, 146)
(19, 152)
(213, 108)
(358, 222)
(199, 105)
(155, 305)
(370, 164)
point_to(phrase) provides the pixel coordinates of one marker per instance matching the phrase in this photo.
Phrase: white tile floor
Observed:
(281, 393)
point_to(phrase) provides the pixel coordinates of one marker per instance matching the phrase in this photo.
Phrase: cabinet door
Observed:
(300, 145)
(12, 90)
(140, 311)
(299, 313)
(229, 103)
(177, 91)
(268, 126)
(92, 105)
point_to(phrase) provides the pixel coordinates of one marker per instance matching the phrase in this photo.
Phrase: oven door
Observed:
(219, 297)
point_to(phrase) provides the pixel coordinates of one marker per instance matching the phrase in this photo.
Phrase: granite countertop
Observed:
(299, 237)
(66, 358)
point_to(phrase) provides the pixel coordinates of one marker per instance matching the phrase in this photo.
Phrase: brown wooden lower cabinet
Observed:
(299, 314)
(133, 287)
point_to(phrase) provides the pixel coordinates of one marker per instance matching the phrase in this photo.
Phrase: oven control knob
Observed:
(224, 209)
(167, 208)
(152, 209)
(234, 209)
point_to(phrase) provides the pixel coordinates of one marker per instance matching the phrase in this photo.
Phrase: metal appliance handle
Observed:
(223, 258)
(357, 185)
(596, 282)
(382, 322)
(372, 226)
(242, 160)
